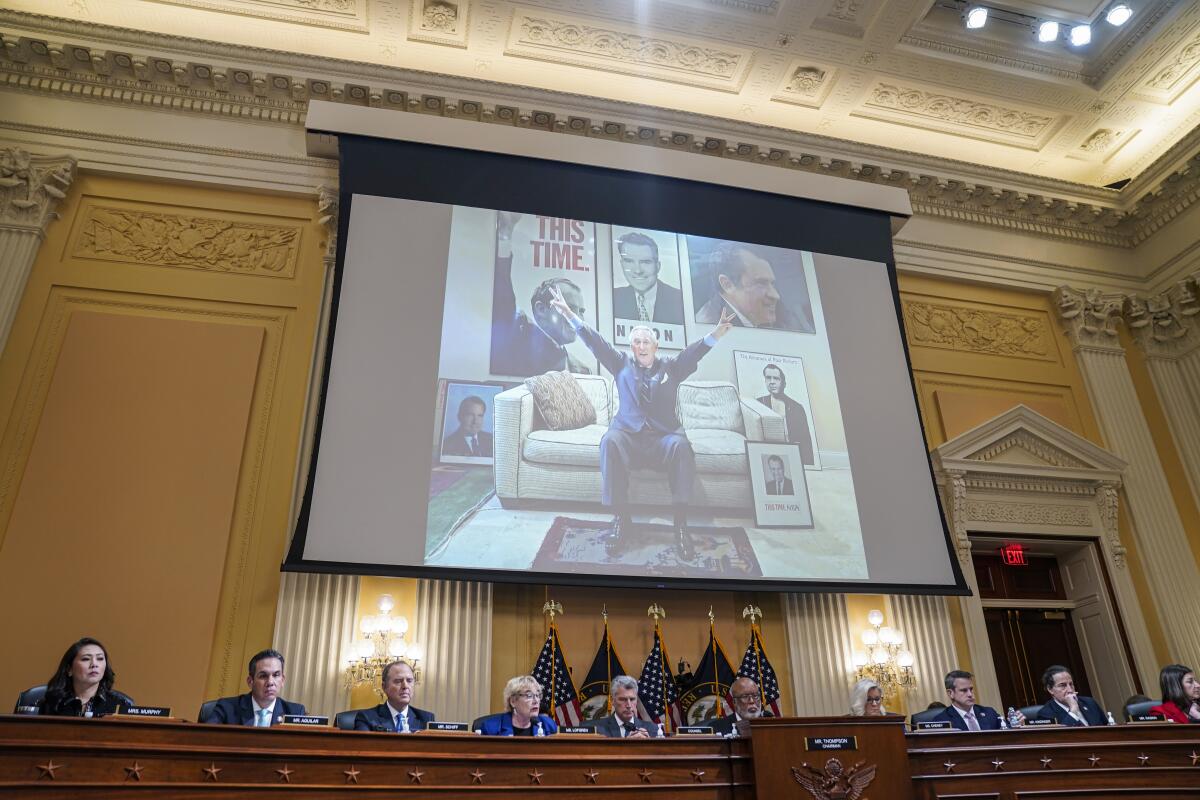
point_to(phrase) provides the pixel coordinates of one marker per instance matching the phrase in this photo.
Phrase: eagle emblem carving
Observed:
(835, 782)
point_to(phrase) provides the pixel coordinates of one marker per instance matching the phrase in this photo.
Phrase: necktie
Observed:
(778, 487)
(972, 723)
(264, 718)
(629, 728)
(644, 390)
(1079, 716)
(402, 718)
(642, 315)
(473, 443)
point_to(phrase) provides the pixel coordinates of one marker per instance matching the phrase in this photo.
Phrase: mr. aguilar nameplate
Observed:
(447, 727)
(694, 730)
(303, 719)
(939, 725)
(831, 743)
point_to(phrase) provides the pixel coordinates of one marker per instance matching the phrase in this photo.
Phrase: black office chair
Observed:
(29, 701)
(925, 716)
(1136, 709)
(478, 723)
(206, 711)
(1031, 712)
(344, 720)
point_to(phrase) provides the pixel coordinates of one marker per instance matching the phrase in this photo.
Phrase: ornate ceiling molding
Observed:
(349, 15)
(30, 188)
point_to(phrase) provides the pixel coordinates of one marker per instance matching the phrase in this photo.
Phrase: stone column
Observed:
(1167, 329)
(820, 652)
(1090, 319)
(31, 187)
(925, 622)
(314, 628)
(454, 621)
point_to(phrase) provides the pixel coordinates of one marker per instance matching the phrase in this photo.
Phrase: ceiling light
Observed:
(1118, 15)
(1047, 31)
(976, 17)
(1081, 35)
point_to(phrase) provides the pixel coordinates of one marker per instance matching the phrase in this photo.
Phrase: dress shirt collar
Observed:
(258, 708)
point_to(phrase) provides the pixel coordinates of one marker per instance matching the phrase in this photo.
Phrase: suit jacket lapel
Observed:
(245, 710)
(278, 711)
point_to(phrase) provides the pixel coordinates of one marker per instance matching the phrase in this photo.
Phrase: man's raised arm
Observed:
(609, 356)
(687, 361)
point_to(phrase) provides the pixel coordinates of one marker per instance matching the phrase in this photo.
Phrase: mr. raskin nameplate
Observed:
(144, 711)
(303, 719)
(935, 725)
(831, 743)
(447, 727)
(1036, 721)
(694, 730)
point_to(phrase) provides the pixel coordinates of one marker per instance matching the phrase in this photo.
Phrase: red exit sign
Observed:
(1013, 555)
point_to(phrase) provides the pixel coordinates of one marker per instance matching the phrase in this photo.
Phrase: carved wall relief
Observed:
(805, 83)
(976, 330)
(439, 21)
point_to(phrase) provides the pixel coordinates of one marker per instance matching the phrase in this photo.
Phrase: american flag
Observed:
(757, 668)
(656, 688)
(559, 698)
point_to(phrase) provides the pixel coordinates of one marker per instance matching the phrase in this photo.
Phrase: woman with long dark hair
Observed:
(82, 684)
(1180, 694)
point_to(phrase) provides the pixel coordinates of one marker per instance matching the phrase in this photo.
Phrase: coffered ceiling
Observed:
(901, 75)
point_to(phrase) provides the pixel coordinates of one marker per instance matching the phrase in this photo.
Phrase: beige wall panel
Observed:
(124, 509)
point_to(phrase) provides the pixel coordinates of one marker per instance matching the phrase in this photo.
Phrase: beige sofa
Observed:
(534, 463)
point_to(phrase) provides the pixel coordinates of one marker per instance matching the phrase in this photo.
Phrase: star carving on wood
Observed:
(1046, 761)
(949, 765)
(285, 774)
(48, 769)
(351, 774)
(591, 775)
(698, 775)
(414, 775)
(1095, 759)
(536, 776)
(477, 775)
(1195, 758)
(134, 772)
(997, 765)
(210, 772)
(1143, 759)
(646, 773)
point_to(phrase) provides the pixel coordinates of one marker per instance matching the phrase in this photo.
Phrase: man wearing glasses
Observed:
(747, 705)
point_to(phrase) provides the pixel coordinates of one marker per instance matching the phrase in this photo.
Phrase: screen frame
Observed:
(423, 177)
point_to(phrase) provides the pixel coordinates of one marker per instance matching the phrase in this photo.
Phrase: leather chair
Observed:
(1031, 712)
(925, 716)
(1135, 709)
(344, 720)
(29, 701)
(206, 710)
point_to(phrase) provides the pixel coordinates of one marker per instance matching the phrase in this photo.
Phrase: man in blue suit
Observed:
(645, 431)
(1067, 706)
(397, 715)
(262, 706)
(963, 713)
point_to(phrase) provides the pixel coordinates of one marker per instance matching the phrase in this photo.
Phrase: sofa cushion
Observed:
(560, 400)
(709, 405)
(717, 452)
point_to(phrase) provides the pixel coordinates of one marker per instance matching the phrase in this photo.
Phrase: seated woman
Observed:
(523, 697)
(1180, 693)
(82, 686)
(866, 699)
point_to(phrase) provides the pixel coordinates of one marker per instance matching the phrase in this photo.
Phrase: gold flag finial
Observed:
(753, 612)
(604, 612)
(552, 607)
(656, 611)
(712, 620)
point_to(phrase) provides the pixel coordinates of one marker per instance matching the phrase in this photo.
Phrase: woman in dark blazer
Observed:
(82, 685)
(523, 696)
(1180, 694)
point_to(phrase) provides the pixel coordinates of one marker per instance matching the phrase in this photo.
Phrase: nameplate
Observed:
(1148, 718)
(301, 719)
(1036, 721)
(578, 731)
(144, 711)
(938, 725)
(831, 743)
(447, 727)
(694, 730)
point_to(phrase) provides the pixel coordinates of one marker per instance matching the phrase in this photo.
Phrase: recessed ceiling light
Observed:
(976, 17)
(1118, 15)
(1047, 31)
(1081, 35)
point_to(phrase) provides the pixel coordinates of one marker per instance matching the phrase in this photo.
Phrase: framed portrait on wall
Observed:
(466, 421)
(763, 286)
(778, 382)
(779, 485)
(646, 286)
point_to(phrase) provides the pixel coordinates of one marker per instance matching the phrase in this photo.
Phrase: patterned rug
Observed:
(454, 493)
(646, 550)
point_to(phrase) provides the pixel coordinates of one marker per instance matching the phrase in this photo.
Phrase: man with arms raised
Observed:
(623, 723)
(963, 713)
(262, 706)
(397, 715)
(747, 705)
(645, 432)
(1066, 705)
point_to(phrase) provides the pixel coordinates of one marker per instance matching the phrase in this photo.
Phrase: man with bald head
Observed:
(645, 431)
(747, 705)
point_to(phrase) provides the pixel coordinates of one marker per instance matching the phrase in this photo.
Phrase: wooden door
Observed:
(1025, 642)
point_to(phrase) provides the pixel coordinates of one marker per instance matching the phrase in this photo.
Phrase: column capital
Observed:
(31, 187)
(1090, 317)
(328, 208)
(1166, 325)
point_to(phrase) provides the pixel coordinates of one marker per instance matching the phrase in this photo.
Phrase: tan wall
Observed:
(151, 395)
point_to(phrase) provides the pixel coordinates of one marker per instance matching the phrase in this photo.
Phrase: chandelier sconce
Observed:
(383, 641)
(884, 660)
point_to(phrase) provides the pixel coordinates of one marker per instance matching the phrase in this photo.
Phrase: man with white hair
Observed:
(645, 432)
(623, 723)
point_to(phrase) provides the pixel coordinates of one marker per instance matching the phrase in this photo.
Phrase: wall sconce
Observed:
(885, 661)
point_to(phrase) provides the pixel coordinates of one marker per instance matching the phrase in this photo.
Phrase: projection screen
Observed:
(471, 428)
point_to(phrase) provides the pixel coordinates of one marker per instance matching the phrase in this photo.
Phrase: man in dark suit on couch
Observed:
(397, 715)
(262, 706)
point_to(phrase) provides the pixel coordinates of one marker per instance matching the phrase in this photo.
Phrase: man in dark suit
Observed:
(646, 298)
(963, 713)
(777, 481)
(397, 715)
(1067, 706)
(262, 706)
(747, 705)
(469, 439)
(623, 723)
(791, 411)
(744, 285)
(645, 432)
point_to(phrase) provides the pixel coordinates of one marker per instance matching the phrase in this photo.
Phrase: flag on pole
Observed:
(559, 698)
(656, 689)
(757, 668)
(593, 692)
(708, 695)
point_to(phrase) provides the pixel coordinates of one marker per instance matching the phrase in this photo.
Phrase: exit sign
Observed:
(1013, 555)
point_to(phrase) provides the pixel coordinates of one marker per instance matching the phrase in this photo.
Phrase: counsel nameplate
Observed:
(694, 730)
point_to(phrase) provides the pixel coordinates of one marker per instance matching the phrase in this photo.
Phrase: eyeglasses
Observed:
(528, 695)
(874, 699)
(745, 698)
